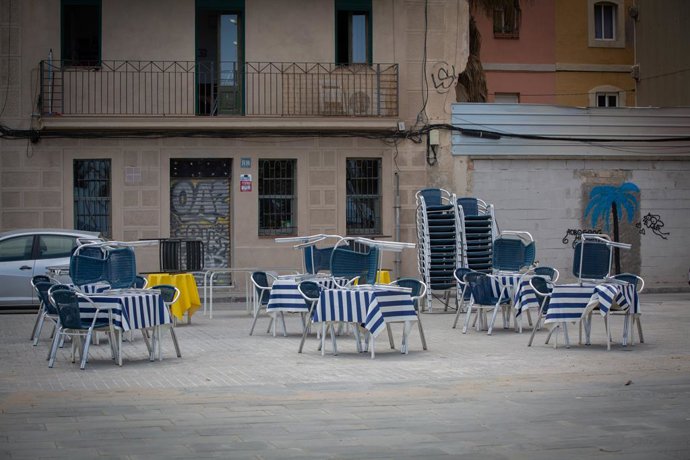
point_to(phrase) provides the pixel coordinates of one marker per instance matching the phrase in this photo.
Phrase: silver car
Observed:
(28, 252)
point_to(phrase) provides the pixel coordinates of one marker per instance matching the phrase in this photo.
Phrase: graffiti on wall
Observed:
(200, 209)
(577, 234)
(606, 201)
(443, 76)
(654, 223)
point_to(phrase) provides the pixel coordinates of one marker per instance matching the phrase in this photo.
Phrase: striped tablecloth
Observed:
(569, 301)
(525, 298)
(371, 307)
(131, 310)
(285, 296)
(505, 281)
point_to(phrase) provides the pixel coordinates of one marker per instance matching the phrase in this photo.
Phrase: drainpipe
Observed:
(396, 207)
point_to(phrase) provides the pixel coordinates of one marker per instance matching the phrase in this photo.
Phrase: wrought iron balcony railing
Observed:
(187, 88)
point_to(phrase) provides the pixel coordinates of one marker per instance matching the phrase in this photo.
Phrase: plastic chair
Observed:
(121, 267)
(47, 311)
(483, 299)
(542, 290)
(311, 291)
(140, 282)
(418, 291)
(317, 259)
(169, 294)
(80, 329)
(463, 293)
(350, 263)
(632, 318)
(262, 287)
(592, 258)
(41, 308)
(513, 251)
(550, 273)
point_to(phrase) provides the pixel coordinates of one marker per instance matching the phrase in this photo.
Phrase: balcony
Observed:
(156, 89)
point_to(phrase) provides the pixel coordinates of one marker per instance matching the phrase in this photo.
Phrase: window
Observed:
(606, 23)
(81, 32)
(277, 202)
(507, 21)
(607, 99)
(353, 31)
(363, 204)
(92, 196)
(56, 246)
(18, 248)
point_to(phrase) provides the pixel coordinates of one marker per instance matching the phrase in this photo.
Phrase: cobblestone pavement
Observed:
(471, 396)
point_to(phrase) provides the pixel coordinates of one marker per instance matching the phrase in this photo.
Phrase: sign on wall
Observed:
(245, 182)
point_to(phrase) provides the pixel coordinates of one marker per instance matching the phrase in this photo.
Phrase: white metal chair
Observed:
(170, 294)
(262, 285)
(418, 291)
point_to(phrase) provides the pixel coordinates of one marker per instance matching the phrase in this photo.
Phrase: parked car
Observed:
(28, 252)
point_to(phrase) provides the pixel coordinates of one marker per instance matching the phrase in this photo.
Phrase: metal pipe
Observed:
(396, 208)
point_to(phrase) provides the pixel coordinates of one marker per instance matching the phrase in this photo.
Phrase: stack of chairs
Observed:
(479, 228)
(440, 243)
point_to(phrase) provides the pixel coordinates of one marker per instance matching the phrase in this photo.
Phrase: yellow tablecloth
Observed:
(189, 301)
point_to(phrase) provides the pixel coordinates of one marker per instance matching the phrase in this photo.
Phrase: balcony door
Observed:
(219, 52)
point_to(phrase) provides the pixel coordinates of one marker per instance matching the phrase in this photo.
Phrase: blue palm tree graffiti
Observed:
(609, 200)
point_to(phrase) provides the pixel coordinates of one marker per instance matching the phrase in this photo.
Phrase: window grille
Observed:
(277, 201)
(363, 205)
(92, 196)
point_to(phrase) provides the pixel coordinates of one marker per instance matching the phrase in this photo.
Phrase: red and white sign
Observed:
(245, 182)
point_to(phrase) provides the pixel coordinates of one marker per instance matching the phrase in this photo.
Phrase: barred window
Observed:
(92, 196)
(277, 201)
(363, 205)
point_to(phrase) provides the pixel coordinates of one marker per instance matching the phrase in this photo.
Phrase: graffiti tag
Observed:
(443, 76)
(577, 233)
(655, 224)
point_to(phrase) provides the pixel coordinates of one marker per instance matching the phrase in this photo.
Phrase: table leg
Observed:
(119, 347)
(160, 351)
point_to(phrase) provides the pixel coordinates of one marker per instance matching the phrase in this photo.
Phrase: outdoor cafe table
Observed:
(131, 309)
(509, 283)
(373, 307)
(571, 302)
(284, 296)
(189, 300)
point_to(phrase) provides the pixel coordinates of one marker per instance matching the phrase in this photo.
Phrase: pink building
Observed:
(519, 53)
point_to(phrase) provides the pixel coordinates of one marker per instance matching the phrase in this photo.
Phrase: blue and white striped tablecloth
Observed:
(525, 297)
(508, 281)
(285, 296)
(568, 301)
(371, 307)
(130, 310)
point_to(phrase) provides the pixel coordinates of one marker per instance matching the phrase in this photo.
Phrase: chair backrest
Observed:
(169, 293)
(470, 206)
(418, 288)
(88, 266)
(42, 288)
(432, 196)
(547, 272)
(530, 254)
(591, 260)
(41, 279)
(310, 290)
(480, 287)
(631, 278)
(261, 285)
(121, 267)
(67, 305)
(542, 290)
(317, 259)
(459, 275)
(140, 282)
(348, 263)
(508, 254)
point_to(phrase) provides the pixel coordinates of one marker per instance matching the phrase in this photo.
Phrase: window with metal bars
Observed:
(363, 206)
(277, 200)
(92, 196)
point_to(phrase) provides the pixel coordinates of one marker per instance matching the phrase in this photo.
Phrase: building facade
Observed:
(574, 53)
(231, 121)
